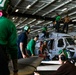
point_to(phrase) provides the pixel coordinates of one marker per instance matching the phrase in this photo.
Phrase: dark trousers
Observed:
(65, 27)
(57, 26)
(4, 70)
(29, 53)
(19, 53)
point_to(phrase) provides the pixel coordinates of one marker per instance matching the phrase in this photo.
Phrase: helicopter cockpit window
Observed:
(60, 43)
(70, 41)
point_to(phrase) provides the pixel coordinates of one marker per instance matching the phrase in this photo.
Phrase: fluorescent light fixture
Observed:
(72, 17)
(16, 10)
(59, 0)
(39, 31)
(61, 24)
(48, 23)
(72, 13)
(70, 25)
(35, 30)
(38, 22)
(64, 9)
(43, 7)
(31, 25)
(21, 26)
(57, 7)
(32, 21)
(28, 6)
(13, 18)
(75, 26)
(73, 20)
(17, 24)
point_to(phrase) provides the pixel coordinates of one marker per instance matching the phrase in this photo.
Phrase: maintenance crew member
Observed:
(22, 42)
(31, 46)
(63, 51)
(8, 41)
(66, 23)
(58, 18)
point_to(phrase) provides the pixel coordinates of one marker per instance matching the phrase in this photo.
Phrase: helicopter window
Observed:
(60, 43)
(70, 41)
(66, 43)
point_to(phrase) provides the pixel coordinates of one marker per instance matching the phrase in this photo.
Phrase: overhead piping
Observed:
(32, 21)
(43, 7)
(68, 10)
(21, 22)
(72, 13)
(30, 5)
(56, 7)
(19, 1)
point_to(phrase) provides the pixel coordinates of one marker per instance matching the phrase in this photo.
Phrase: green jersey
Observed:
(58, 18)
(31, 46)
(8, 36)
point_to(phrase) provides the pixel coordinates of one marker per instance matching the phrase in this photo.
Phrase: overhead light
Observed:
(72, 13)
(75, 26)
(64, 9)
(57, 7)
(59, 0)
(73, 20)
(39, 31)
(72, 17)
(13, 18)
(39, 21)
(28, 6)
(31, 25)
(43, 7)
(32, 21)
(16, 10)
(70, 25)
(21, 26)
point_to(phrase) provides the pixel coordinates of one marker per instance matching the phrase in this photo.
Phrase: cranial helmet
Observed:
(26, 28)
(44, 28)
(63, 57)
(3, 4)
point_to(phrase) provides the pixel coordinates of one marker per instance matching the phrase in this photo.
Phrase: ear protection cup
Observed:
(63, 58)
(26, 28)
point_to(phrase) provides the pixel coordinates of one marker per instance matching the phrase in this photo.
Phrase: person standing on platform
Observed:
(54, 25)
(66, 23)
(58, 18)
(31, 46)
(8, 41)
(22, 42)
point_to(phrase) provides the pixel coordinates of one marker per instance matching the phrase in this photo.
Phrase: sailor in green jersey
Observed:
(58, 18)
(63, 51)
(31, 46)
(8, 39)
